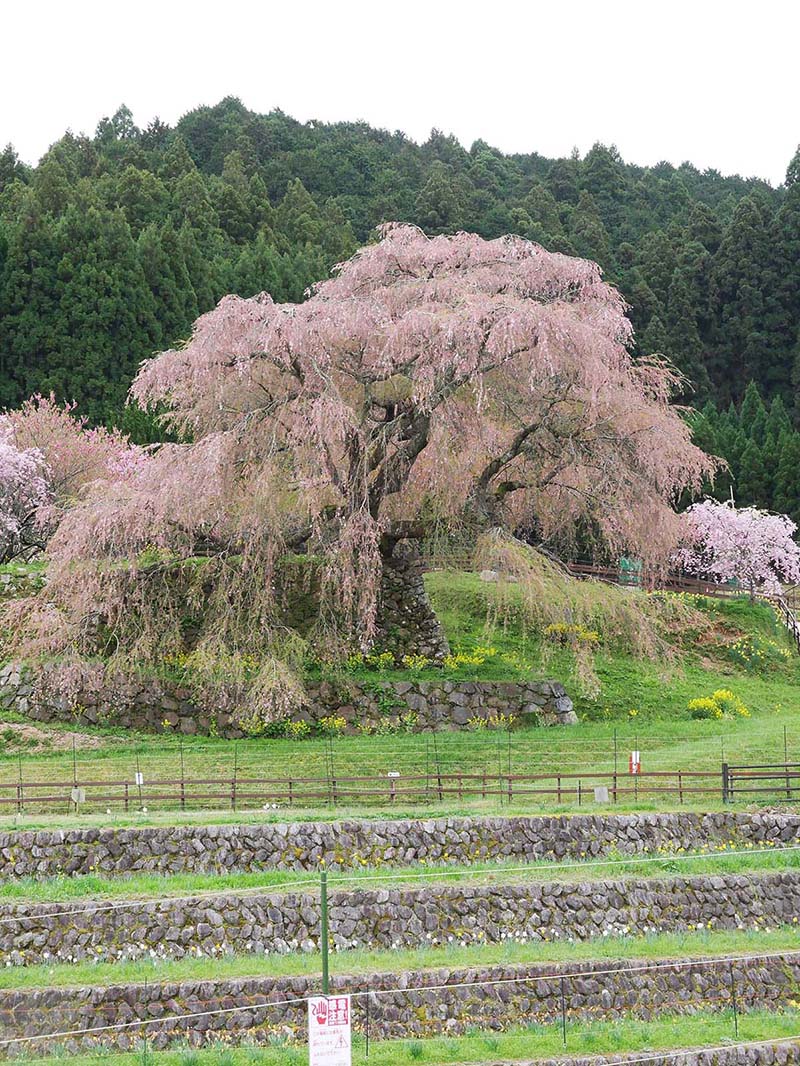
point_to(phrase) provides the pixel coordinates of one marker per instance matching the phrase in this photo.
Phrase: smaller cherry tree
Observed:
(754, 547)
(48, 457)
(23, 493)
(76, 453)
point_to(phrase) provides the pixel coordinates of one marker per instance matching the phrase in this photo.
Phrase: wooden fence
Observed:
(732, 783)
(241, 793)
(781, 780)
(786, 603)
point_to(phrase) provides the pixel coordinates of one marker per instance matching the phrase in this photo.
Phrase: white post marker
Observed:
(329, 1031)
(138, 779)
(635, 763)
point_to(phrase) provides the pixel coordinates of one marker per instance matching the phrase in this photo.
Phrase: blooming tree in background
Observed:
(748, 545)
(23, 492)
(453, 379)
(49, 455)
(76, 454)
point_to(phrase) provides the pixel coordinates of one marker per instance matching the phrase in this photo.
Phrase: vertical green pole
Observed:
(323, 895)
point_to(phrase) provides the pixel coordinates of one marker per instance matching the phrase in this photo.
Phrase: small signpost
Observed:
(635, 763)
(329, 1031)
(139, 781)
(393, 776)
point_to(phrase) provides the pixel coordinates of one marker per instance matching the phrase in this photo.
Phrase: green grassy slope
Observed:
(631, 687)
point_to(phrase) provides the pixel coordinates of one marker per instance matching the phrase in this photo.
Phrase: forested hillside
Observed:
(113, 244)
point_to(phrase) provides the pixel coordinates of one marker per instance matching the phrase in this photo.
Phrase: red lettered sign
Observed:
(329, 1031)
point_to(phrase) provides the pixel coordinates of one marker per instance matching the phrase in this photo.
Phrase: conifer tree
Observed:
(165, 273)
(440, 206)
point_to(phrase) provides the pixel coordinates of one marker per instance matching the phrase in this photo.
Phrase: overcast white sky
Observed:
(712, 81)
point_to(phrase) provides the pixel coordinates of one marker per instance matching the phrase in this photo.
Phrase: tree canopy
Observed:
(746, 545)
(451, 380)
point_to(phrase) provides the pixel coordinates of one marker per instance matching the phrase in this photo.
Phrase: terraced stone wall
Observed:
(491, 997)
(152, 706)
(385, 918)
(349, 844)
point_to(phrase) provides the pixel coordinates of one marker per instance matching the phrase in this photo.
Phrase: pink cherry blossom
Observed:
(23, 492)
(754, 547)
(453, 379)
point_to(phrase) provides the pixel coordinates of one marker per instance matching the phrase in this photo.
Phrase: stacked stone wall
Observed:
(354, 844)
(388, 918)
(426, 1003)
(152, 706)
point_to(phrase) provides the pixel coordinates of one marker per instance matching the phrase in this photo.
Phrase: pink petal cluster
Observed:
(48, 456)
(23, 491)
(753, 547)
(76, 454)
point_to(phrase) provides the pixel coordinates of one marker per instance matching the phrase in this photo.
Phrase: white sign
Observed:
(393, 773)
(139, 779)
(329, 1031)
(635, 763)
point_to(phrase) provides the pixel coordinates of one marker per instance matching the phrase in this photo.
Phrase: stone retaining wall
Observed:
(491, 997)
(343, 845)
(763, 1053)
(406, 621)
(387, 918)
(152, 706)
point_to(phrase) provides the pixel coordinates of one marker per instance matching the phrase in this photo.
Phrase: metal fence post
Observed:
(366, 1030)
(323, 897)
(726, 784)
(786, 764)
(733, 1001)
(563, 1015)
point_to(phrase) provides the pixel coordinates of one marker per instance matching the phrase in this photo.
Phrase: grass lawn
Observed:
(699, 944)
(532, 1042)
(593, 747)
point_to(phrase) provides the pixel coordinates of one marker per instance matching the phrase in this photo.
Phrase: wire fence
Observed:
(500, 767)
(413, 782)
(257, 1010)
(566, 999)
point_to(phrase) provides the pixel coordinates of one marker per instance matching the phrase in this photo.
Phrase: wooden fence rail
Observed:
(733, 782)
(778, 779)
(254, 792)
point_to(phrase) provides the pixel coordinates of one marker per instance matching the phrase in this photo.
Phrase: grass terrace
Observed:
(729, 858)
(645, 945)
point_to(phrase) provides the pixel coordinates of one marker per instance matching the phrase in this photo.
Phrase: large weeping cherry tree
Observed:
(455, 379)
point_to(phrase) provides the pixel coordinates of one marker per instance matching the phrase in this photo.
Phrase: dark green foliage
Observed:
(112, 245)
(761, 446)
